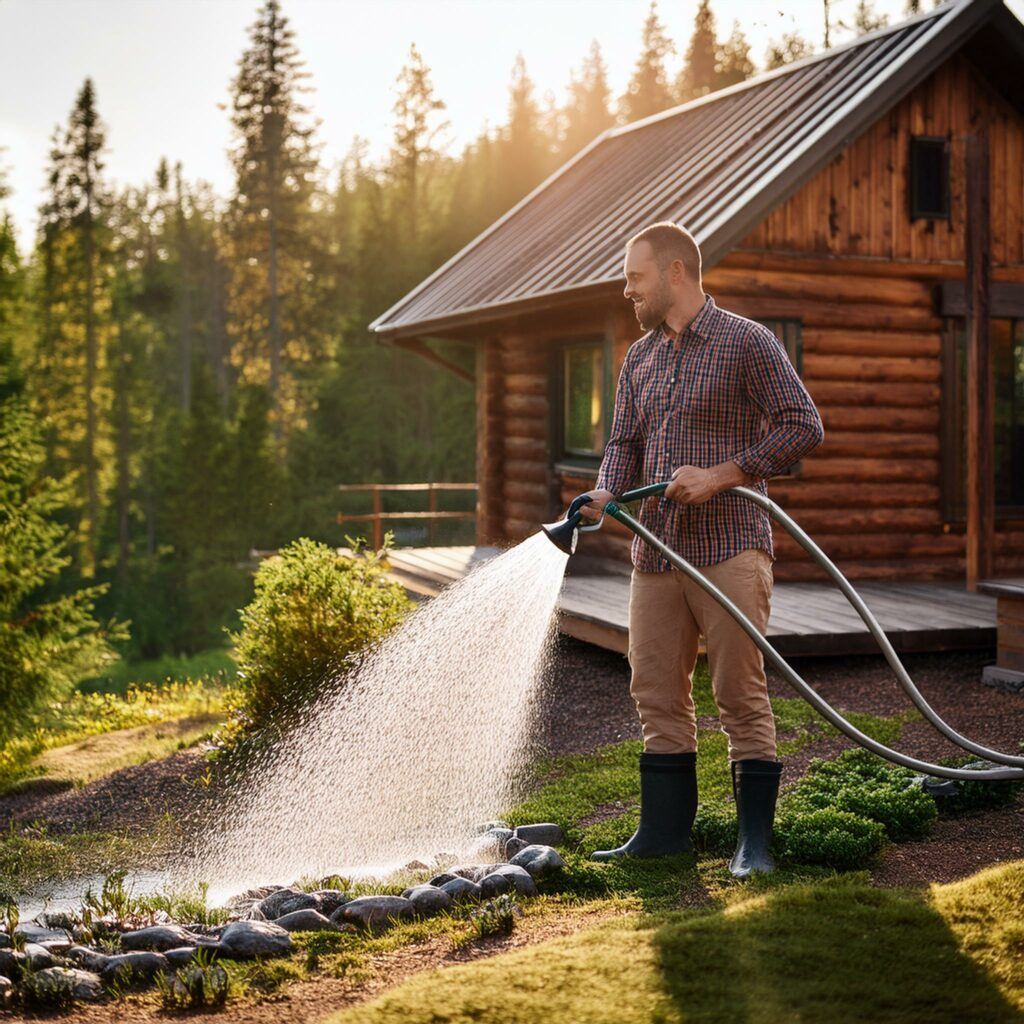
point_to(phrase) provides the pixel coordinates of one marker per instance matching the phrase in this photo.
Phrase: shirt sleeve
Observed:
(623, 454)
(794, 424)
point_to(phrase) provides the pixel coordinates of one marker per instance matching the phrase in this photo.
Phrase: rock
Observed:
(514, 846)
(414, 865)
(439, 880)
(506, 878)
(539, 861)
(137, 966)
(375, 913)
(475, 872)
(462, 889)
(57, 919)
(5, 940)
(184, 955)
(90, 959)
(428, 900)
(159, 938)
(11, 963)
(545, 834)
(305, 921)
(331, 899)
(6, 993)
(284, 901)
(79, 984)
(244, 940)
(488, 825)
(491, 843)
(56, 940)
(39, 957)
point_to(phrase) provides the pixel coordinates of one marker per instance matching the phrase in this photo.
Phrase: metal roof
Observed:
(718, 165)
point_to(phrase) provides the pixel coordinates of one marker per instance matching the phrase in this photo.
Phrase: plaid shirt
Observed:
(725, 391)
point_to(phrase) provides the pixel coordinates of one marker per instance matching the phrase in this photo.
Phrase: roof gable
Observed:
(718, 165)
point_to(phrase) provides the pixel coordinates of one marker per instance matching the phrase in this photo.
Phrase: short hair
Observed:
(670, 242)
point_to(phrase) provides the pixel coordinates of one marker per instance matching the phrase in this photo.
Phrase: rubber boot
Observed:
(668, 805)
(755, 785)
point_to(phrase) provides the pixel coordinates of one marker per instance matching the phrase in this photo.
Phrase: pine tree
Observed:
(523, 159)
(865, 18)
(733, 62)
(699, 75)
(648, 91)
(46, 646)
(791, 47)
(587, 112)
(279, 277)
(70, 377)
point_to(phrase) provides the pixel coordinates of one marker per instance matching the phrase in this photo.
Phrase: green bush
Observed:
(314, 612)
(971, 795)
(863, 784)
(714, 829)
(829, 837)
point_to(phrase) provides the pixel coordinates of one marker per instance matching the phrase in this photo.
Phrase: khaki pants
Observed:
(667, 614)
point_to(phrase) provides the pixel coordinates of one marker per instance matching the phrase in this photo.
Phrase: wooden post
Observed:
(378, 531)
(431, 507)
(489, 440)
(980, 426)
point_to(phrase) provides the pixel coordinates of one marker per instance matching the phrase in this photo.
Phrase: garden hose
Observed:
(564, 533)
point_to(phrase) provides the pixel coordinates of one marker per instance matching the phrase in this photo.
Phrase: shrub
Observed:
(714, 829)
(830, 837)
(314, 611)
(496, 917)
(198, 984)
(863, 784)
(977, 795)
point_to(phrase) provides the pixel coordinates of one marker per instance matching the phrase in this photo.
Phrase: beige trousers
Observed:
(667, 614)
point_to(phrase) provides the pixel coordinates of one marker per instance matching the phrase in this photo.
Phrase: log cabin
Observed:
(867, 204)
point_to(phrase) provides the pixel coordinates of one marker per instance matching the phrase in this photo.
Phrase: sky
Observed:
(162, 68)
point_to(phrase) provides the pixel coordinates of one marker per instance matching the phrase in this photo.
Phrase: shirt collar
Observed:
(700, 325)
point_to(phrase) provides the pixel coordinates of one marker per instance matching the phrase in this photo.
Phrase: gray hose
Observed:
(876, 630)
(810, 695)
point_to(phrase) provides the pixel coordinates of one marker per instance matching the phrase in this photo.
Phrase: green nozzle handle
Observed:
(642, 492)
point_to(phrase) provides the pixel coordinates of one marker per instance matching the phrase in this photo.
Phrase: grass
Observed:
(216, 665)
(834, 949)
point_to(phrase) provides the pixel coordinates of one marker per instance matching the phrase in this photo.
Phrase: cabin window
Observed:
(584, 400)
(1007, 347)
(929, 177)
(788, 332)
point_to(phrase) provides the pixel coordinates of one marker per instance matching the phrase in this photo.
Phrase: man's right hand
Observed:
(592, 512)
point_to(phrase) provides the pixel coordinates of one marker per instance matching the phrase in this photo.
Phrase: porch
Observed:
(807, 618)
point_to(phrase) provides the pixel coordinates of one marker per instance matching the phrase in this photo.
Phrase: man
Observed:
(709, 399)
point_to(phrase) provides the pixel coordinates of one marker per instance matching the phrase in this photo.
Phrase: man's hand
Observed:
(692, 485)
(592, 512)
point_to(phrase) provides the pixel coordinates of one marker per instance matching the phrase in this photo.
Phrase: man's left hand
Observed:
(692, 485)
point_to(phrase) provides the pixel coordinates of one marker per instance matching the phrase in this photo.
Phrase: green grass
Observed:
(833, 949)
(215, 665)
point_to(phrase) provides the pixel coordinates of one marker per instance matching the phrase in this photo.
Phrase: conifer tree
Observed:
(698, 75)
(278, 275)
(733, 62)
(587, 112)
(648, 91)
(791, 47)
(866, 18)
(523, 159)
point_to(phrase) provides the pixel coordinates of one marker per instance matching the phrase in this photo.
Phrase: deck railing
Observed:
(379, 514)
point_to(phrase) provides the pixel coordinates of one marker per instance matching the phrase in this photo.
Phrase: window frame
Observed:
(918, 143)
(951, 464)
(575, 460)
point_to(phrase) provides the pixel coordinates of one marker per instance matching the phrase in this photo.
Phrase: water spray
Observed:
(565, 535)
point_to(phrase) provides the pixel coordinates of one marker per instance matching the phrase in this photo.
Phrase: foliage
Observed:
(201, 983)
(497, 916)
(861, 783)
(45, 645)
(215, 667)
(833, 838)
(315, 612)
(975, 794)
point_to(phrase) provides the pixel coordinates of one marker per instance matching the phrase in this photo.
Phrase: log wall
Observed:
(843, 257)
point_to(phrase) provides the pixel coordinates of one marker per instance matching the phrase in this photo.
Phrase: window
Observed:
(585, 406)
(1007, 343)
(929, 177)
(788, 332)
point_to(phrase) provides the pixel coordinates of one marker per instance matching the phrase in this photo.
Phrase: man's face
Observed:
(647, 286)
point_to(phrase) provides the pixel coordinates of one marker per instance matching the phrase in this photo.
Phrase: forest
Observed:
(186, 377)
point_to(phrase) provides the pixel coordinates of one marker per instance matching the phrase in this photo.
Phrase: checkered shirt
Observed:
(726, 391)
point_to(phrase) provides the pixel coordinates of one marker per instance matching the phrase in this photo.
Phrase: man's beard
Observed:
(653, 311)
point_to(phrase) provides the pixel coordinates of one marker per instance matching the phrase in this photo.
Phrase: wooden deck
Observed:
(807, 618)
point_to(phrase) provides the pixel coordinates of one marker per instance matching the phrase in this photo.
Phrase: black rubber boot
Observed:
(668, 805)
(755, 785)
